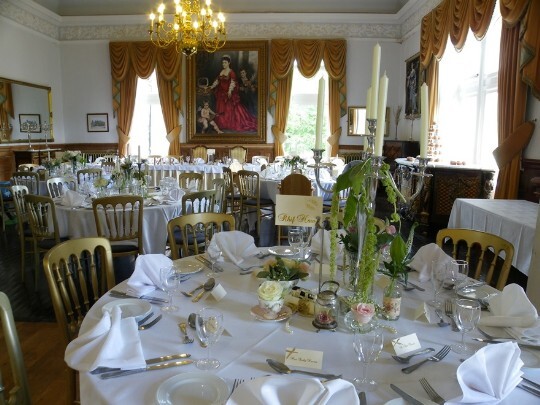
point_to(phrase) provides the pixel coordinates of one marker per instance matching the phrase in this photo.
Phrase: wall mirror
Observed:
(357, 121)
(25, 112)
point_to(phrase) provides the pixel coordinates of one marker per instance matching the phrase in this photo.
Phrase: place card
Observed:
(406, 344)
(295, 210)
(295, 357)
(422, 312)
(218, 292)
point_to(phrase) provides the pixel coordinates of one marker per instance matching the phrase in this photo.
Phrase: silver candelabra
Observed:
(411, 183)
(5, 128)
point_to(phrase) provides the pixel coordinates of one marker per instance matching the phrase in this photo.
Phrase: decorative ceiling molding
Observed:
(29, 19)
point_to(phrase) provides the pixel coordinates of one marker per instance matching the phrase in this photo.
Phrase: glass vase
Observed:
(392, 301)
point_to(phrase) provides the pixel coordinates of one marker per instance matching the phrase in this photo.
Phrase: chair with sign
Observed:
(57, 186)
(191, 181)
(90, 175)
(238, 153)
(78, 272)
(200, 152)
(28, 179)
(119, 218)
(293, 184)
(19, 391)
(483, 252)
(251, 201)
(23, 227)
(196, 227)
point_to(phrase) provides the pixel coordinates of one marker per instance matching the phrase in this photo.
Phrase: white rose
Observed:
(270, 290)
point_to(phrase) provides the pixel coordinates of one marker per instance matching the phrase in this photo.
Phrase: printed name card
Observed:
(295, 357)
(422, 312)
(406, 344)
(296, 210)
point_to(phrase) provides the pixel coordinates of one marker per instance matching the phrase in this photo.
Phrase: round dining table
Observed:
(249, 342)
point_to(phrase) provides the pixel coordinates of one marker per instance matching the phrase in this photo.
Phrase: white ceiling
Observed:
(138, 7)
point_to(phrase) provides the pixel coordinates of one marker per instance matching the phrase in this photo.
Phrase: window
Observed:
(468, 99)
(148, 127)
(302, 116)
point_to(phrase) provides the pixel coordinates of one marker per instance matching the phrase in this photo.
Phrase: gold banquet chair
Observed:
(78, 272)
(23, 226)
(199, 151)
(7, 205)
(57, 186)
(28, 179)
(187, 180)
(220, 199)
(238, 153)
(482, 250)
(20, 392)
(232, 195)
(84, 175)
(195, 231)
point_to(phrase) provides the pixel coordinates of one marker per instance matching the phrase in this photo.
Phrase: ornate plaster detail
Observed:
(28, 19)
(415, 19)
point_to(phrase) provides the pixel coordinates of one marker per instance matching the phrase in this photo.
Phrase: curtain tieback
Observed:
(171, 136)
(514, 144)
(278, 134)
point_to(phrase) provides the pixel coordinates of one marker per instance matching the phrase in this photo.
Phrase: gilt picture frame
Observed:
(97, 122)
(414, 77)
(221, 112)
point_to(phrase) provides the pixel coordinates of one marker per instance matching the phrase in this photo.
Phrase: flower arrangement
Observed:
(127, 166)
(280, 269)
(101, 182)
(400, 258)
(294, 161)
(363, 312)
(51, 163)
(74, 156)
(270, 291)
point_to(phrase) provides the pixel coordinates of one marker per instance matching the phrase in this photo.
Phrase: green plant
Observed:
(399, 257)
(280, 269)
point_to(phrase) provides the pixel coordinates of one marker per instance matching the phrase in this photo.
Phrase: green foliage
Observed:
(283, 270)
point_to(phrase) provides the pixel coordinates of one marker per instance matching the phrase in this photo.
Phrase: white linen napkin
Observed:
(530, 335)
(72, 199)
(112, 342)
(277, 390)
(235, 246)
(422, 260)
(145, 277)
(316, 241)
(198, 161)
(176, 194)
(490, 375)
(510, 308)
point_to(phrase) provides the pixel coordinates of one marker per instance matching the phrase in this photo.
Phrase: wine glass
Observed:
(367, 346)
(295, 237)
(307, 234)
(459, 271)
(438, 275)
(209, 327)
(169, 282)
(213, 252)
(466, 315)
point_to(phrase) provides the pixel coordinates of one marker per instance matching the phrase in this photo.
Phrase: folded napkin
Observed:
(112, 342)
(490, 375)
(72, 199)
(316, 242)
(425, 256)
(176, 194)
(511, 308)
(145, 277)
(198, 161)
(235, 246)
(530, 335)
(277, 390)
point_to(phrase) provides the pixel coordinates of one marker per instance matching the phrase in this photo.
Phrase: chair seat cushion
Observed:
(123, 248)
(200, 237)
(263, 201)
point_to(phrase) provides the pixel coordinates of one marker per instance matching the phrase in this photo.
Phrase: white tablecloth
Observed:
(79, 223)
(243, 355)
(513, 220)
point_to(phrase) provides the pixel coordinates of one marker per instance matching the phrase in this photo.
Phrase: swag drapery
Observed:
(519, 66)
(308, 53)
(130, 60)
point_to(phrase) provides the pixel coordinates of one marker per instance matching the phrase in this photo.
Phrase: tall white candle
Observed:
(320, 115)
(139, 153)
(381, 115)
(424, 123)
(368, 109)
(375, 80)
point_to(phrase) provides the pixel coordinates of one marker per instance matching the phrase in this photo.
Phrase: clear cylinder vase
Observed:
(392, 301)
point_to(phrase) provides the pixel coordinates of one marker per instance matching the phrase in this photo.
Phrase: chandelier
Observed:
(193, 27)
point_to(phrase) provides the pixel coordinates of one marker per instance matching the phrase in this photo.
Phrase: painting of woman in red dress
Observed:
(231, 114)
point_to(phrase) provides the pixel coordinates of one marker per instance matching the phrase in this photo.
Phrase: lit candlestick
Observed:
(381, 115)
(368, 109)
(375, 80)
(424, 108)
(320, 114)
(139, 150)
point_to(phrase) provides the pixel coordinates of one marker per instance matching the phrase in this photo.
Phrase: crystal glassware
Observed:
(367, 346)
(459, 270)
(438, 275)
(307, 234)
(213, 252)
(295, 237)
(169, 282)
(209, 326)
(466, 315)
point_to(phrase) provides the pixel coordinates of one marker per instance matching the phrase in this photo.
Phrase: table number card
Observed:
(218, 292)
(405, 344)
(295, 357)
(422, 312)
(295, 210)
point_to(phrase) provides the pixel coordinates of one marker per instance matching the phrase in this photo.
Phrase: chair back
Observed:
(20, 392)
(57, 186)
(28, 179)
(108, 166)
(42, 217)
(199, 151)
(119, 218)
(18, 193)
(482, 250)
(27, 167)
(238, 153)
(196, 230)
(221, 201)
(199, 201)
(6, 201)
(296, 184)
(85, 175)
(187, 180)
(249, 184)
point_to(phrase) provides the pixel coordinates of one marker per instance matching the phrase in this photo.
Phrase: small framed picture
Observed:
(30, 123)
(97, 122)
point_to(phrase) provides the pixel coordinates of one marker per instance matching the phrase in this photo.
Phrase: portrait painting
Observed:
(413, 81)
(227, 92)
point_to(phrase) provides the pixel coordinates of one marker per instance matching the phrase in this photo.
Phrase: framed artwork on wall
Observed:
(413, 80)
(97, 122)
(227, 93)
(30, 123)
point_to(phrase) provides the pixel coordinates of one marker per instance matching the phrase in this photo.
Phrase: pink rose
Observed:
(391, 230)
(363, 312)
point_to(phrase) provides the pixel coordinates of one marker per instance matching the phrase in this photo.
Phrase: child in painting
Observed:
(207, 117)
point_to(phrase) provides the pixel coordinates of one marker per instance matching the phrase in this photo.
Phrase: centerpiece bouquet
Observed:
(73, 156)
(101, 184)
(294, 162)
(51, 165)
(286, 271)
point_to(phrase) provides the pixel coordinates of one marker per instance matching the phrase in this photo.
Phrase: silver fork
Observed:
(450, 314)
(441, 323)
(183, 328)
(152, 323)
(405, 360)
(433, 395)
(438, 357)
(236, 383)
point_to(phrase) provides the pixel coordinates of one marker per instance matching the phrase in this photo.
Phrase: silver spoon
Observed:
(191, 322)
(406, 359)
(190, 293)
(207, 286)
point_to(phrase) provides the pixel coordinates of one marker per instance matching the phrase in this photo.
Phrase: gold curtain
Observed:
(308, 54)
(130, 60)
(6, 106)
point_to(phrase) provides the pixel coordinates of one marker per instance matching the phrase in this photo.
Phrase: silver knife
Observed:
(122, 373)
(504, 340)
(409, 398)
(101, 370)
(536, 385)
(530, 390)
(120, 294)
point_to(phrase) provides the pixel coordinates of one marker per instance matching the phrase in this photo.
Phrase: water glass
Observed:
(213, 251)
(295, 237)
(466, 315)
(459, 270)
(307, 234)
(438, 276)
(209, 326)
(367, 346)
(170, 281)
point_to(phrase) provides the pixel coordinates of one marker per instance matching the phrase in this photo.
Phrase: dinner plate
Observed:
(401, 401)
(478, 293)
(193, 389)
(283, 251)
(130, 307)
(262, 315)
(187, 266)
